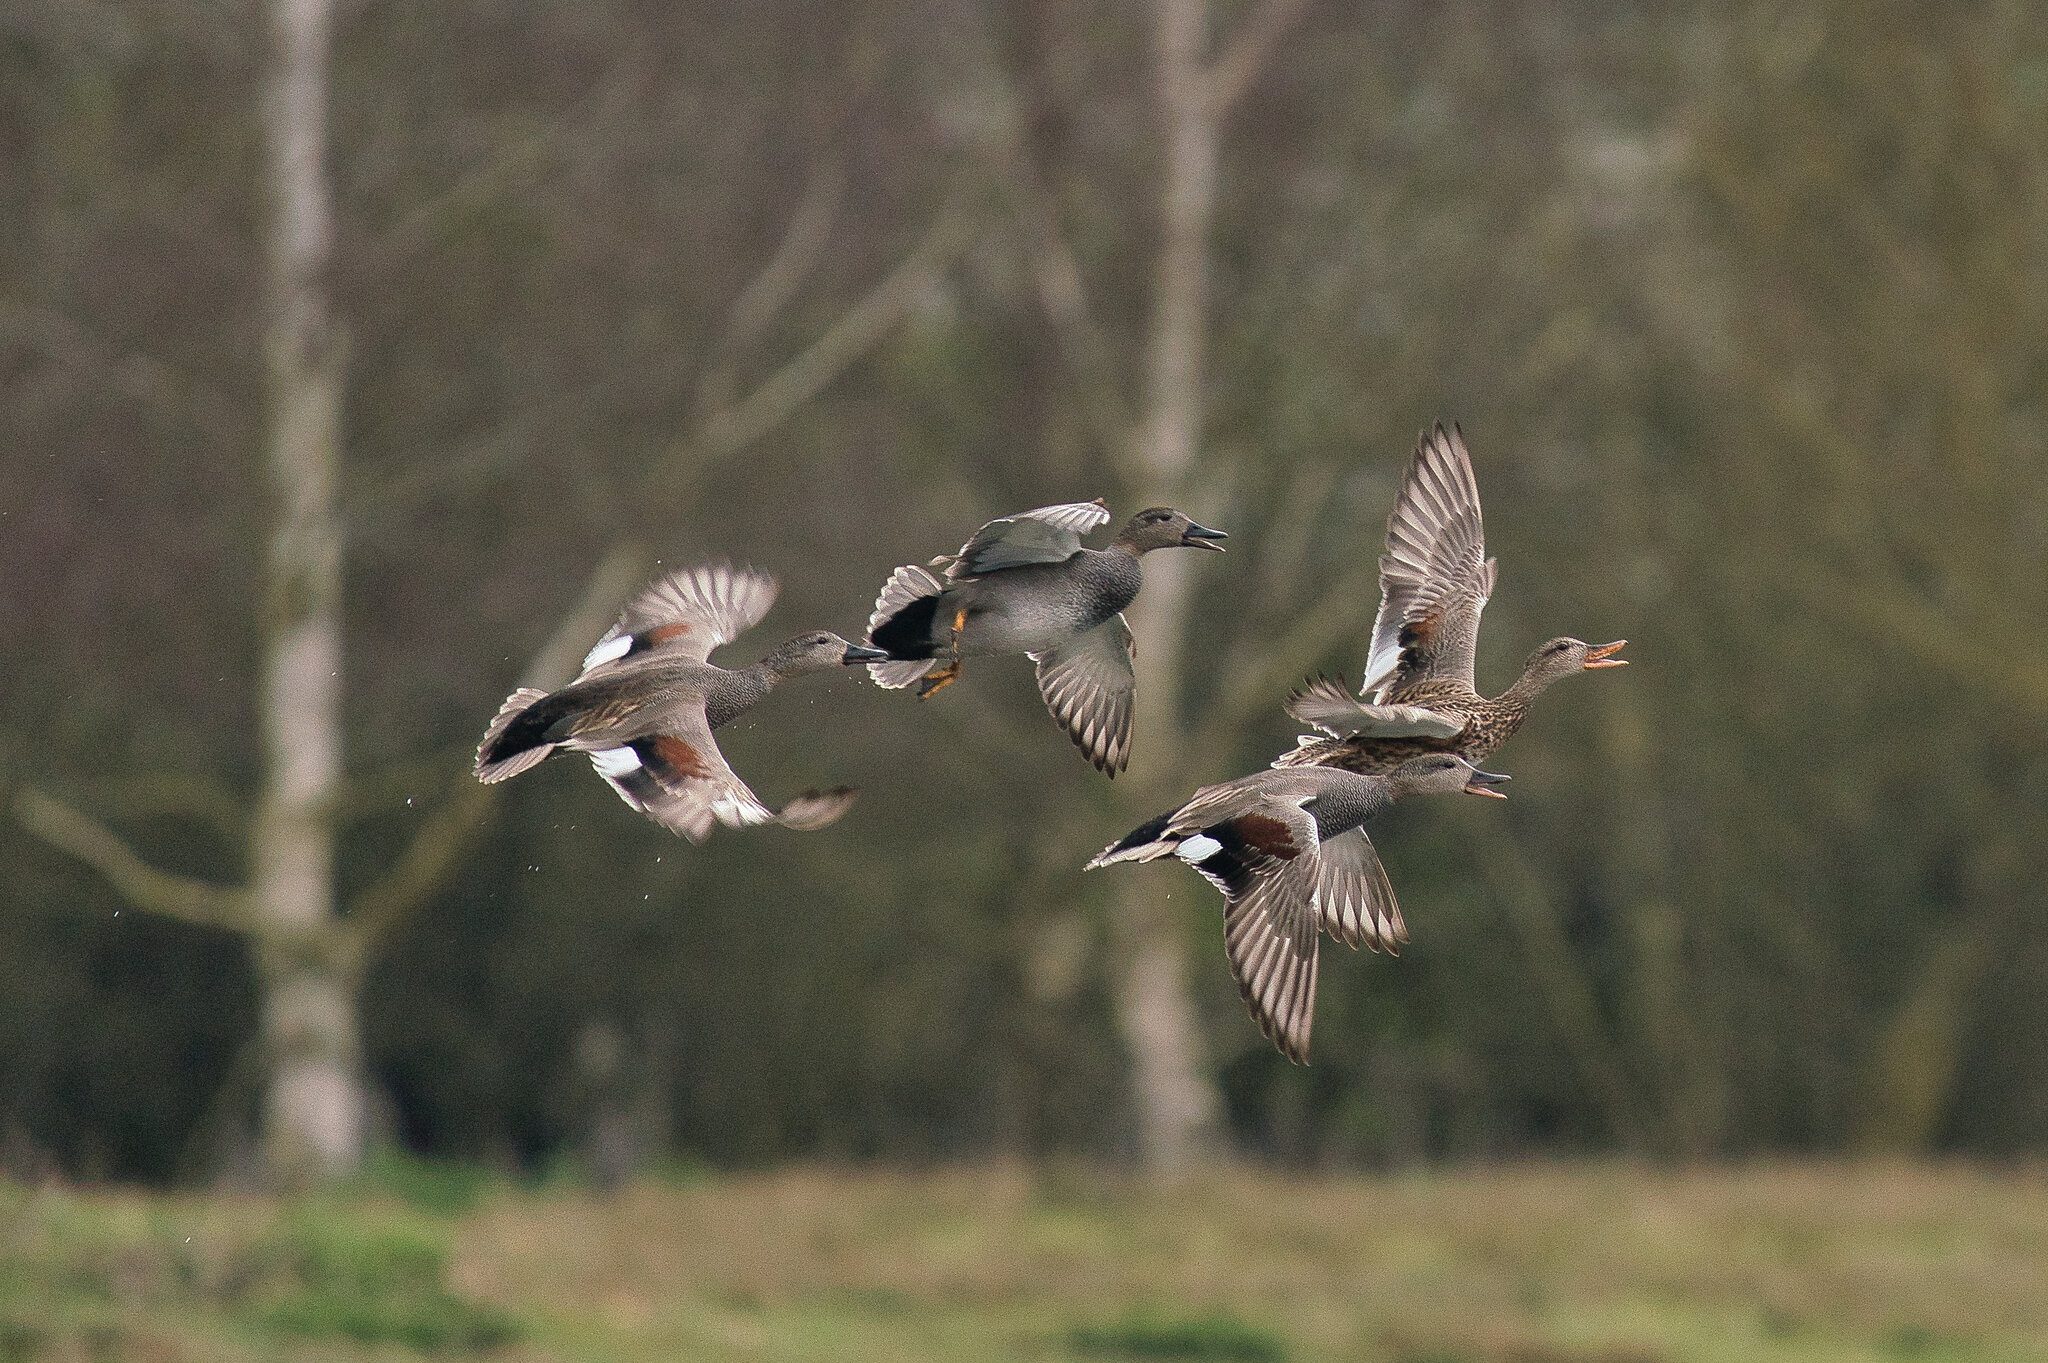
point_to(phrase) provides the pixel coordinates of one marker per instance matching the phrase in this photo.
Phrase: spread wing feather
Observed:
(685, 615)
(1327, 704)
(677, 777)
(1435, 577)
(1088, 683)
(1354, 900)
(1270, 936)
(1046, 534)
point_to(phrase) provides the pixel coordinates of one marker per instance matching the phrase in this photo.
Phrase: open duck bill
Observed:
(860, 653)
(1202, 537)
(1483, 783)
(1603, 656)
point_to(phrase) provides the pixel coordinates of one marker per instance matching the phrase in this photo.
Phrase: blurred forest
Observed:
(1741, 308)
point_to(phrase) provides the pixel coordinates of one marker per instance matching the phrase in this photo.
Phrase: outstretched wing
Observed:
(1328, 705)
(1048, 534)
(1354, 900)
(1088, 683)
(1435, 577)
(674, 774)
(1270, 936)
(672, 771)
(685, 615)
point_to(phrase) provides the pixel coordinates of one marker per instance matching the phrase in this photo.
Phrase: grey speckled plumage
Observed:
(648, 698)
(1287, 850)
(1026, 584)
(1419, 694)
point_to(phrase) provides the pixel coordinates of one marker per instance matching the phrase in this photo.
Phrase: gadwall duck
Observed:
(1286, 849)
(649, 697)
(1024, 584)
(1435, 579)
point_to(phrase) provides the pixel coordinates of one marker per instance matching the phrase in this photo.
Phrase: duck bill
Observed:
(1202, 537)
(860, 653)
(1483, 783)
(1603, 656)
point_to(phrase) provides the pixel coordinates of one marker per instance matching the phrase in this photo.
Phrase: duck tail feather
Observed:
(815, 808)
(1149, 841)
(894, 676)
(510, 747)
(902, 620)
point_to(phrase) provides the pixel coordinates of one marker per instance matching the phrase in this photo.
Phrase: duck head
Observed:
(1162, 527)
(1560, 658)
(1441, 773)
(817, 651)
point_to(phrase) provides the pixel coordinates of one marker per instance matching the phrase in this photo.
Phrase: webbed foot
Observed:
(935, 682)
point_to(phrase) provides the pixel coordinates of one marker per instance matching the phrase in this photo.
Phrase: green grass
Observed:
(1538, 1264)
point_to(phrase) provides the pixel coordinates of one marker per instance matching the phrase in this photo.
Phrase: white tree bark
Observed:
(1178, 1109)
(314, 1103)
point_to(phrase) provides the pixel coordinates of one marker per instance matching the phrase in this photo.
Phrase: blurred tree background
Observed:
(1740, 308)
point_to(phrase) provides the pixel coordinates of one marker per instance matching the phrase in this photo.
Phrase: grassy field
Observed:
(1537, 1264)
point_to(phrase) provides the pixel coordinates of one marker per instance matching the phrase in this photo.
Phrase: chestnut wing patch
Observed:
(1247, 847)
(1416, 634)
(1265, 834)
(673, 760)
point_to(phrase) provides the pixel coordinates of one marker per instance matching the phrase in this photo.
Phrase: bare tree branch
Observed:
(373, 508)
(174, 794)
(1246, 54)
(1056, 272)
(144, 886)
(769, 291)
(856, 332)
(493, 179)
(452, 830)
(1260, 679)
(162, 389)
(1983, 656)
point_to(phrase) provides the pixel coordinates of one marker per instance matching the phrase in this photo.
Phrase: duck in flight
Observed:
(1287, 848)
(649, 697)
(1419, 695)
(1025, 584)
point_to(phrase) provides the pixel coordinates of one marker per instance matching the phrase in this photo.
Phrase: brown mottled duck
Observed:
(1419, 694)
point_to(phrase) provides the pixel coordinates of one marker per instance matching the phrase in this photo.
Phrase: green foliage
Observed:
(74, 1270)
(436, 1187)
(1154, 1335)
(374, 1282)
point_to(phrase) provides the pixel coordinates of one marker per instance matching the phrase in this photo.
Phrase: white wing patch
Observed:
(687, 614)
(607, 650)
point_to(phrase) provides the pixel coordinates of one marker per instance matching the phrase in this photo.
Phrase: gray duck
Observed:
(1286, 848)
(648, 699)
(1025, 584)
(1435, 579)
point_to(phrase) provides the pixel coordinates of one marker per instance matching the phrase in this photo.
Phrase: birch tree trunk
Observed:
(1178, 1108)
(314, 1103)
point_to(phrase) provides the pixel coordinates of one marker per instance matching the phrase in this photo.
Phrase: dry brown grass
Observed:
(1531, 1264)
